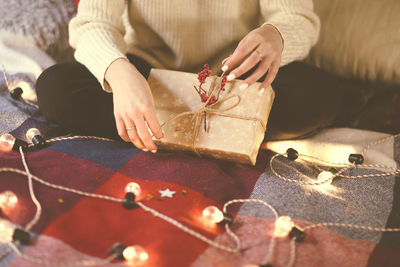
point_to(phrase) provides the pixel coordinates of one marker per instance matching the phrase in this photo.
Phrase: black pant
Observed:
(307, 99)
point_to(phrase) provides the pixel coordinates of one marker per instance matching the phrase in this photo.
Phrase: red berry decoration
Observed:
(201, 77)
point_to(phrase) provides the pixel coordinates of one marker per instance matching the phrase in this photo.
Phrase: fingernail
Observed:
(231, 77)
(154, 151)
(225, 68)
(261, 91)
(223, 61)
(145, 149)
(243, 86)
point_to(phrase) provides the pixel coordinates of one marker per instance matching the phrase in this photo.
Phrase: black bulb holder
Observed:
(16, 93)
(38, 141)
(117, 249)
(292, 154)
(356, 159)
(228, 219)
(19, 143)
(129, 201)
(297, 233)
(22, 236)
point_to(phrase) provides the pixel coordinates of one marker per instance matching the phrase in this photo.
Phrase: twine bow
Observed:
(207, 109)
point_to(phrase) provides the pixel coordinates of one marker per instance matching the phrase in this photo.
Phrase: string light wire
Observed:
(386, 170)
(3, 69)
(32, 193)
(177, 224)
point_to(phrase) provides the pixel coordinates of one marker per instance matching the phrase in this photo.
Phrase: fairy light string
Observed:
(13, 246)
(387, 170)
(3, 70)
(32, 193)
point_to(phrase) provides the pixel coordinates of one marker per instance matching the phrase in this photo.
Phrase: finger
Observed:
(242, 50)
(133, 136)
(121, 129)
(153, 124)
(144, 134)
(258, 73)
(249, 63)
(225, 59)
(272, 72)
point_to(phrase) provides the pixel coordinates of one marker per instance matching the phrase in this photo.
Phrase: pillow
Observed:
(359, 39)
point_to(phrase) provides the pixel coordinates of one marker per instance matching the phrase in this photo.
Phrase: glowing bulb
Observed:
(31, 133)
(135, 255)
(7, 142)
(283, 226)
(8, 200)
(35, 137)
(213, 214)
(325, 176)
(6, 231)
(133, 188)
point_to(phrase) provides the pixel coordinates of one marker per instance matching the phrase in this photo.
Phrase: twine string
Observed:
(207, 109)
(237, 248)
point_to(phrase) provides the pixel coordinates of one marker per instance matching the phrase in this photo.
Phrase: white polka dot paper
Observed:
(235, 133)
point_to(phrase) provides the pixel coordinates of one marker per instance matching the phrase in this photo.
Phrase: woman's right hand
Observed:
(133, 105)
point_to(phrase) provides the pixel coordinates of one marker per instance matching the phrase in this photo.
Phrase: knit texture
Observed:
(182, 35)
(42, 21)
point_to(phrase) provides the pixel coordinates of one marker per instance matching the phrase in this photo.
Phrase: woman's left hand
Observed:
(263, 45)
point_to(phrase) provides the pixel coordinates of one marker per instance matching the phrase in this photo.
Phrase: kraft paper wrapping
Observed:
(229, 138)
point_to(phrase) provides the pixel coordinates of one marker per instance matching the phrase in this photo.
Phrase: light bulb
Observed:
(35, 137)
(325, 176)
(135, 254)
(9, 142)
(213, 214)
(7, 229)
(283, 226)
(8, 200)
(133, 188)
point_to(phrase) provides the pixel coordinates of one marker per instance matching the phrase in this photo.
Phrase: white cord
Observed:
(3, 69)
(269, 255)
(193, 233)
(32, 193)
(178, 224)
(292, 257)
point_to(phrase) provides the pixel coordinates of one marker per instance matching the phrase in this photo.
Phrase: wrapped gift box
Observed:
(235, 125)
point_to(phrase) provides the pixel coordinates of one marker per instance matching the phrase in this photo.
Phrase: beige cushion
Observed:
(359, 38)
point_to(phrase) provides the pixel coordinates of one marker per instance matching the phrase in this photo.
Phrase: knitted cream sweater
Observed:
(184, 34)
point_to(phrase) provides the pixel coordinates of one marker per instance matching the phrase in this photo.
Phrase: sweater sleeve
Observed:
(97, 34)
(297, 23)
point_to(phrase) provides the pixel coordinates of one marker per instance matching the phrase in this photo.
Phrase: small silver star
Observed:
(167, 193)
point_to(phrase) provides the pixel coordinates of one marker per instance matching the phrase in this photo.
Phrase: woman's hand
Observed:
(133, 105)
(263, 45)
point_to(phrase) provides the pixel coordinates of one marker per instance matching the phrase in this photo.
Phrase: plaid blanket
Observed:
(75, 228)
